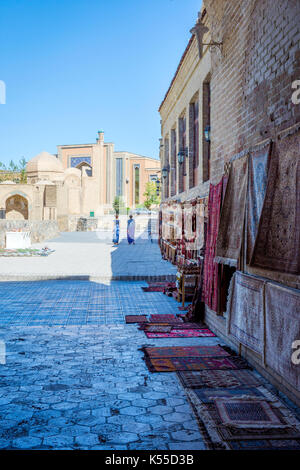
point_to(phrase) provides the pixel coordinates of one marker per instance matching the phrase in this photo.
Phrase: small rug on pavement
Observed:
(136, 318)
(226, 423)
(211, 394)
(188, 325)
(153, 289)
(186, 351)
(172, 364)
(264, 444)
(181, 333)
(26, 252)
(156, 327)
(164, 318)
(159, 286)
(247, 412)
(218, 378)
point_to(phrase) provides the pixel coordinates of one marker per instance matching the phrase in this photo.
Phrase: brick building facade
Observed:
(252, 76)
(245, 99)
(184, 116)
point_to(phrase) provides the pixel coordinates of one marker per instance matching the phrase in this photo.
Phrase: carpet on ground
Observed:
(156, 327)
(19, 252)
(247, 412)
(274, 444)
(172, 364)
(218, 378)
(186, 351)
(181, 333)
(230, 234)
(277, 245)
(191, 325)
(282, 330)
(164, 318)
(230, 421)
(159, 286)
(245, 320)
(136, 318)
(211, 394)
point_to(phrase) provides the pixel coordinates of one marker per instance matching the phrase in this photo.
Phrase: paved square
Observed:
(92, 255)
(71, 372)
(74, 376)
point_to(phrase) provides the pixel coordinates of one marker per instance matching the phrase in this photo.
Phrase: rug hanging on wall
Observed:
(200, 217)
(210, 268)
(230, 235)
(282, 330)
(277, 244)
(245, 320)
(258, 173)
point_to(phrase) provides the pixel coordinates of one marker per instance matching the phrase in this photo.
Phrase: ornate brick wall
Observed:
(251, 84)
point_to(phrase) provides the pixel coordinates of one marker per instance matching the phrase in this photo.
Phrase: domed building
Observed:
(81, 181)
(44, 166)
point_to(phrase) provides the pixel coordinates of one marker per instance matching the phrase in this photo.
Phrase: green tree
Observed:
(151, 195)
(118, 204)
(22, 169)
(14, 171)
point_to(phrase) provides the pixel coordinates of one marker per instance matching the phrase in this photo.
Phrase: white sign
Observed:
(2, 92)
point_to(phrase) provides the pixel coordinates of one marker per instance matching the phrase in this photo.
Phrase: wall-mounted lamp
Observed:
(207, 133)
(199, 30)
(165, 170)
(182, 154)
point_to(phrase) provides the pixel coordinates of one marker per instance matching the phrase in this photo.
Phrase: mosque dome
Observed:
(44, 161)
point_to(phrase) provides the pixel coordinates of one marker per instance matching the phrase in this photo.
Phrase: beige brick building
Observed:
(185, 114)
(242, 86)
(81, 181)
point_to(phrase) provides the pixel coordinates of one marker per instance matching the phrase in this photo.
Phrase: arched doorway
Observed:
(85, 168)
(16, 208)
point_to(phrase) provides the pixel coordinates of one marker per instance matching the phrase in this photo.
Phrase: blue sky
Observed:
(73, 67)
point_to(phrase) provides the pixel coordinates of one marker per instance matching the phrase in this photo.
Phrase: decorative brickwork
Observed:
(252, 74)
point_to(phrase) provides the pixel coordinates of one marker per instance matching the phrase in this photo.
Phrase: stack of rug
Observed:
(235, 411)
(169, 326)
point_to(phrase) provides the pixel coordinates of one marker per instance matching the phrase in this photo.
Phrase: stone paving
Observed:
(93, 256)
(74, 378)
(73, 375)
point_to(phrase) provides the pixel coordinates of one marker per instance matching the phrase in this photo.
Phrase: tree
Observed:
(151, 195)
(118, 204)
(22, 169)
(14, 171)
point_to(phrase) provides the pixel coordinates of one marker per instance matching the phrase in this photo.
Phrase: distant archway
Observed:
(85, 168)
(16, 207)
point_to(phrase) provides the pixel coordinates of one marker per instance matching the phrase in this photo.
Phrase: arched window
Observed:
(16, 207)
